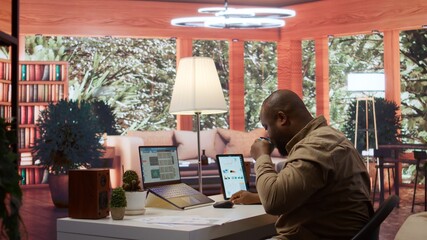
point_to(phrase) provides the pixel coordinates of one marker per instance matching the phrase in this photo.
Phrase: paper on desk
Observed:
(183, 220)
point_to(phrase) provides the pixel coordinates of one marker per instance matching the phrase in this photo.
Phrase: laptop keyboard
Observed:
(174, 190)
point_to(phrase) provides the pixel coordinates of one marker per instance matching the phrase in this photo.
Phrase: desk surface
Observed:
(246, 222)
(414, 228)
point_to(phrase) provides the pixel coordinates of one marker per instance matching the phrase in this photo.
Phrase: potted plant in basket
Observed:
(69, 136)
(118, 203)
(10, 191)
(134, 194)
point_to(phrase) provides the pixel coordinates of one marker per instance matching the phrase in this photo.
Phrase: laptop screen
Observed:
(159, 165)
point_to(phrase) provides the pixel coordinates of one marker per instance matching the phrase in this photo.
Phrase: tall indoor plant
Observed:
(69, 139)
(10, 191)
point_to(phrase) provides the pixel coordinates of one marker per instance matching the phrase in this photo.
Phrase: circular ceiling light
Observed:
(244, 23)
(242, 18)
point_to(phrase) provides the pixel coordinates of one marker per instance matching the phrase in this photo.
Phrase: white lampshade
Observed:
(197, 88)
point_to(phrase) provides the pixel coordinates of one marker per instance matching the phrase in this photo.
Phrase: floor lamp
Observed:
(197, 91)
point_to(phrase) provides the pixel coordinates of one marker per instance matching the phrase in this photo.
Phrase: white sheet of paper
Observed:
(185, 220)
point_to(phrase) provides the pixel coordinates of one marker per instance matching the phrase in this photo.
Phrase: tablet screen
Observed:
(232, 172)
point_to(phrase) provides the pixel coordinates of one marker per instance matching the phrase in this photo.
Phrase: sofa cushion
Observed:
(187, 143)
(240, 142)
(154, 138)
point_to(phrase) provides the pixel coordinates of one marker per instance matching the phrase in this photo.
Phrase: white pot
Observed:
(135, 203)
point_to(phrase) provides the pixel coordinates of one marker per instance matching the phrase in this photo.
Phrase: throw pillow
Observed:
(154, 138)
(187, 143)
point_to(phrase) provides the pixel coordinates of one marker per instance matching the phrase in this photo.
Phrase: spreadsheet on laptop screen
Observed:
(159, 164)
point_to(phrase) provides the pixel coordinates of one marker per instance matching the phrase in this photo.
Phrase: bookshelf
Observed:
(40, 82)
(5, 90)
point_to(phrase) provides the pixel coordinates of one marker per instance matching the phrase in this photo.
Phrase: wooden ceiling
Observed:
(263, 3)
(151, 19)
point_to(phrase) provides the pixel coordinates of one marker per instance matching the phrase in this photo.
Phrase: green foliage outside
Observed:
(260, 78)
(413, 49)
(135, 76)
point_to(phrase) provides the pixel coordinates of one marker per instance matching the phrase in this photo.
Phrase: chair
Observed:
(372, 228)
(420, 156)
(383, 153)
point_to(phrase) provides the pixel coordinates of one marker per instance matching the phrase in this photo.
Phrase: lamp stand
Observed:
(199, 160)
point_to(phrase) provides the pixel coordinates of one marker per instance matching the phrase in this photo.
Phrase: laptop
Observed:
(232, 173)
(161, 177)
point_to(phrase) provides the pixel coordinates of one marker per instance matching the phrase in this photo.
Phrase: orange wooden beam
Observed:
(392, 66)
(322, 77)
(184, 48)
(237, 85)
(289, 64)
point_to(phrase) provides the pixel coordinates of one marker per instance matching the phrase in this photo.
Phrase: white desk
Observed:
(247, 222)
(414, 228)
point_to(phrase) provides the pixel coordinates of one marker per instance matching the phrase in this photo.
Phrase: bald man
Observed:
(323, 190)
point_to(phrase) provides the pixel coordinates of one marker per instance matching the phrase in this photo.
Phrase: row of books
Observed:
(41, 72)
(6, 112)
(27, 136)
(31, 175)
(41, 92)
(5, 92)
(5, 72)
(29, 114)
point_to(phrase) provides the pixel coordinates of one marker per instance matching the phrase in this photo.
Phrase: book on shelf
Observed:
(26, 159)
(23, 176)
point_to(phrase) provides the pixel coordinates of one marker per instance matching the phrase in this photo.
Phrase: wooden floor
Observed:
(39, 214)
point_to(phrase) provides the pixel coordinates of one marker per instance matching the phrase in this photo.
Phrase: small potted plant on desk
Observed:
(69, 139)
(134, 195)
(118, 203)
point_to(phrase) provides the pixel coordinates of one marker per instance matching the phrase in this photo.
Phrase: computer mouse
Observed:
(223, 204)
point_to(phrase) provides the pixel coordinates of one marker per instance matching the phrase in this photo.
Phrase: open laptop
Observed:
(232, 172)
(161, 176)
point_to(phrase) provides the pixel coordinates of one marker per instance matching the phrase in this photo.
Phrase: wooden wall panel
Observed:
(351, 17)
(237, 86)
(5, 16)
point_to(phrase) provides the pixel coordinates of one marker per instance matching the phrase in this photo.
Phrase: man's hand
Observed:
(245, 197)
(261, 146)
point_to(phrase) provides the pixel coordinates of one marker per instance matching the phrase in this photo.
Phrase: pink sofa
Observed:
(214, 141)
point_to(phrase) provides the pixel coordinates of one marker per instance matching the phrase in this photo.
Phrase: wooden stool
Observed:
(382, 154)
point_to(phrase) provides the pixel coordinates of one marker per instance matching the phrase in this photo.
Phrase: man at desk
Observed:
(323, 190)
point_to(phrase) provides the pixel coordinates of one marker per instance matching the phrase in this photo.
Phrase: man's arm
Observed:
(284, 191)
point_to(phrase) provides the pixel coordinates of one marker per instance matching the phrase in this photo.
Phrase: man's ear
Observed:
(282, 118)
